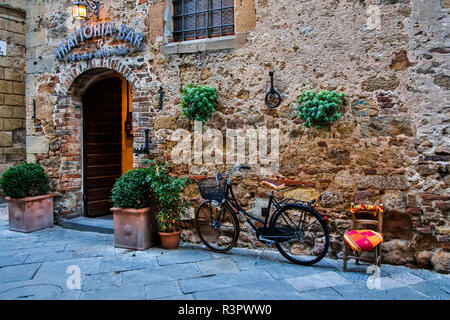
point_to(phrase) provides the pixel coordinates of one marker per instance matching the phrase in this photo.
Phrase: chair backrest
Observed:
(368, 211)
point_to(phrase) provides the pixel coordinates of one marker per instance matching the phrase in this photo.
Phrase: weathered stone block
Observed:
(5, 86)
(244, 15)
(37, 144)
(6, 139)
(386, 126)
(14, 100)
(156, 21)
(168, 122)
(305, 194)
(11, 124)
(441, 261)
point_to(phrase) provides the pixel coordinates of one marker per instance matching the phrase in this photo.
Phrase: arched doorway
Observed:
(107, 140)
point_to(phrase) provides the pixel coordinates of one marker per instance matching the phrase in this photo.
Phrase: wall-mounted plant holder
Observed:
(273, 97)
(145, 149)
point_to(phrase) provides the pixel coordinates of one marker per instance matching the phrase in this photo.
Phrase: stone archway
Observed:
(67, 116)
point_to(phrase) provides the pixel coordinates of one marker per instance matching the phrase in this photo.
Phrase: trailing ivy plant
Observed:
(198, 102)
(320, 108)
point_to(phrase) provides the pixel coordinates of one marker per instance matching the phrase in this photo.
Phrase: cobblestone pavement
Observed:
(44, 265)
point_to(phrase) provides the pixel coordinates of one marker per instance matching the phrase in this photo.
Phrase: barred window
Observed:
(197, 19)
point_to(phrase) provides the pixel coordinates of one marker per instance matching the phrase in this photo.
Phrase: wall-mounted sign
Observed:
(2, 48)
(99, 30)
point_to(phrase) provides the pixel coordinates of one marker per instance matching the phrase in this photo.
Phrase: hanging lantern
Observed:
(79, 10)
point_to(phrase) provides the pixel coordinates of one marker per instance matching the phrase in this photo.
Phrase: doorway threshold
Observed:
(104, 224)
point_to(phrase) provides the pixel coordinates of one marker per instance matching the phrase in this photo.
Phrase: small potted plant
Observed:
(134, 211)
(30, 205)
(171, 203)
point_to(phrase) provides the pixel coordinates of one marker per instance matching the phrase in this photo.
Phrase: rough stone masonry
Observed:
(396, 151)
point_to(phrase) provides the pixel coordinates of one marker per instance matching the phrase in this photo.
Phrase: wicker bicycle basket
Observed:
(211, 189)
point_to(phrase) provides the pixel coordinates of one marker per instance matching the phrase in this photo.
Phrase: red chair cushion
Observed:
(363, 240)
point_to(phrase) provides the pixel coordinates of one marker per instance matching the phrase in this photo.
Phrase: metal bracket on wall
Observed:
(273, 97)
(34, 109)
(161, 97)
(145, 149)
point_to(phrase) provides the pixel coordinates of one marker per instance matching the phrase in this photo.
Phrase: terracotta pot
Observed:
(30, 214)
(171, 240)
(135, 228)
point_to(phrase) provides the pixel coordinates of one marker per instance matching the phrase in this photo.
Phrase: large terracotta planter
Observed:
(171, 240)
(30, 214)
(135, 228)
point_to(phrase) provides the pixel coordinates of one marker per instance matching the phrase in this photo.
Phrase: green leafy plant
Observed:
(320, 108)
(25, 180)
(169, 191)
(133, 190)
(198, 102)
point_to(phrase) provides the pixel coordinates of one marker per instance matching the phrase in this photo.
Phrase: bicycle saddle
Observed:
(272, 186)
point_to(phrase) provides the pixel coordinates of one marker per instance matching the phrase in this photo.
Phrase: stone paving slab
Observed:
(212, 267)
(35, 266)
(224, 280)
(264, 290)
(163, 290)
(318, 281)
(134, 292)
(161, 274)
(20, 272)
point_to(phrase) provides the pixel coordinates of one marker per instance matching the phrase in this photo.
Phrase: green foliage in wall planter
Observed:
(198, 102)
(320, 108)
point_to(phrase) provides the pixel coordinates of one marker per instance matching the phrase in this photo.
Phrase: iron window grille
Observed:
(197, 19)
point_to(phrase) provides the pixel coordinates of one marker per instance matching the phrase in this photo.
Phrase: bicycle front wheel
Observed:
(302, 235)
(217, 228)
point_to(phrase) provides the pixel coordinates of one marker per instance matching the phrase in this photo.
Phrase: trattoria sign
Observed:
(99, 30)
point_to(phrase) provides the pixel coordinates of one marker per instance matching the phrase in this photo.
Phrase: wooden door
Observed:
(102, 126)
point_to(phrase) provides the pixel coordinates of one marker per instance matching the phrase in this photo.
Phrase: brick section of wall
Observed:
(12, 86)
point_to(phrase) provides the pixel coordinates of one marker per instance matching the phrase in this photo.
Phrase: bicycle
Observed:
(299, 232)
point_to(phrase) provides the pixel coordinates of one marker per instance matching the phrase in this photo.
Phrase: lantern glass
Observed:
(79, 11)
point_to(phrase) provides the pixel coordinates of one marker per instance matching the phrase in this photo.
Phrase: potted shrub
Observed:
(30, 205)
(171, 203)
(134, 211)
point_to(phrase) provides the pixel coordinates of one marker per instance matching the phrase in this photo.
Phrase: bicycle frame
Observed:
(231, 203)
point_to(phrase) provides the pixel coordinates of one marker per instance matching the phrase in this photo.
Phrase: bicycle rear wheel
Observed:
(302, 235)
(217, 228)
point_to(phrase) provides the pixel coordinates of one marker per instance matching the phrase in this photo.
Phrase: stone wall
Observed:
(390, 147)
(12, 84)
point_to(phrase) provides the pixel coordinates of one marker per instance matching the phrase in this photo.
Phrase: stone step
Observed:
(101, 225)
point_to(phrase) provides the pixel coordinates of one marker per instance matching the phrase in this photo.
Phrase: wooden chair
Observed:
(364, 240)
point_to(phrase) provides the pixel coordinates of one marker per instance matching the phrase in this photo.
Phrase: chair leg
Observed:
(345, 257)
(376, 256)
(379, 255)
